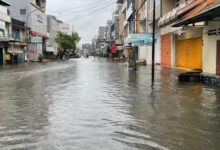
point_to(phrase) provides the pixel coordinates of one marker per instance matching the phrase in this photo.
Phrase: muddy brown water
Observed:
(93, 104)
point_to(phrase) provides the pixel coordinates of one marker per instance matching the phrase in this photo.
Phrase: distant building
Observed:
(87, 48)
(53, 27)
(109, 26)
(103, 32)
(66, 28)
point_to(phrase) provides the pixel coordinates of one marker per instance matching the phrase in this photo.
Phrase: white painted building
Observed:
(66, 28)
(5, 30)
(53, 27)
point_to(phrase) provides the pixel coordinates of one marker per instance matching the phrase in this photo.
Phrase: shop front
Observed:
(37, 46)
(189, 49)
(139, 44)
(17, 52)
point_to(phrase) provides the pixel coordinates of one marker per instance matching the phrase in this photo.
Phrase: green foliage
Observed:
(67, 42)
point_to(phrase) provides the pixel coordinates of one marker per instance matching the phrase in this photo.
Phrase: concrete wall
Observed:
(53, 28)
(209, 48)
(38, 21)
(173, 51)
(149, 55)
(142, 53)
(15, 7)
(168, 5)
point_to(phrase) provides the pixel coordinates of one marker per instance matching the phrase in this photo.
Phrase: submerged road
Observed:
(93, 104)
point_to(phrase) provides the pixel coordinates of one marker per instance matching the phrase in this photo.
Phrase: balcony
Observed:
(125, 23)
(129, 12)
(143, 14)
(179, 11)
(124, 7)
(4, 14)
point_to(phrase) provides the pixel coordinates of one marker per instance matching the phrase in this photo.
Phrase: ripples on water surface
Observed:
(89, 104)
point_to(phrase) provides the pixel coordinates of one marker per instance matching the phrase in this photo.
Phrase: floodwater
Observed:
(93, 104)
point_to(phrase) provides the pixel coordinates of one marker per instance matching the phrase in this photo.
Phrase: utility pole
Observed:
(153, 43)
(134, 18)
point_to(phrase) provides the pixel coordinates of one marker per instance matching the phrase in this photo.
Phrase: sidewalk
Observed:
(210, 79)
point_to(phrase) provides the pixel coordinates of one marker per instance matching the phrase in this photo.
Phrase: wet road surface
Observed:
(91, 104)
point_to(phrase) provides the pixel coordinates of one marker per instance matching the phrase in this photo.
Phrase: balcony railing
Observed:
(125, 23)
(124, 7)
(129, 12)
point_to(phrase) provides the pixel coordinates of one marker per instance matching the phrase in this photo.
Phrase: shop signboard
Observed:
(141, 39)
(36, 39)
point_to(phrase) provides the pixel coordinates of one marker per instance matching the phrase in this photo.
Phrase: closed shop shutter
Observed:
(166, 50)
(189, 53)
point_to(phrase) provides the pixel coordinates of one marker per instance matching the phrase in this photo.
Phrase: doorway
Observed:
(218, 58)
(1, 56)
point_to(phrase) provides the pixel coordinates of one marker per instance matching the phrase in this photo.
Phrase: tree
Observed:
(67, 42)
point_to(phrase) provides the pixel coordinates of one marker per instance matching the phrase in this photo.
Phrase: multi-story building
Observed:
(66, 28)
(102, 32)
(18, 43)
(190, 34)
(102, 44)
(94, 45)
(5, 32)
(32, 12)
(109, 27)
(53, 27)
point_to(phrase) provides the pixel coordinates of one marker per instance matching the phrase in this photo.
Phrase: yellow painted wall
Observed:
(189, 53)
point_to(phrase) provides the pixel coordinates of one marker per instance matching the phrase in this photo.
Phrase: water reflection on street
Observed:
(94, 104)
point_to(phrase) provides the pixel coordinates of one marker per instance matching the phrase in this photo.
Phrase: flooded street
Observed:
(91, 104)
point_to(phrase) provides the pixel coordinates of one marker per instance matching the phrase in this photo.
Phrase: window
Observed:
(15, 34)
(2, 33)
(151, 3)
(23, 11)
(38, 3)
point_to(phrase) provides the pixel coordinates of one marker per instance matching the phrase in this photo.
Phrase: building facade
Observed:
(53, 27)
(32, 12)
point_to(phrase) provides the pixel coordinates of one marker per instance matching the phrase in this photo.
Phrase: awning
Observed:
(4, 3)
(141, 39)
(189, 7)
(39, 34)
(208, 14)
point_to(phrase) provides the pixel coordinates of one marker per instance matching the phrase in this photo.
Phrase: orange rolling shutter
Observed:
(189, 53)
(166, 50)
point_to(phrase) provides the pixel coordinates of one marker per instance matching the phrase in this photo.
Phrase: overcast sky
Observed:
(85, 15)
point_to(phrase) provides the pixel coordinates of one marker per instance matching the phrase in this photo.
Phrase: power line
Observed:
(98, 6)
(82, 9)
(89, 13)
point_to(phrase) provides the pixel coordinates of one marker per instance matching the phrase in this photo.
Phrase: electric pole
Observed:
(134, 31)
(153, 42)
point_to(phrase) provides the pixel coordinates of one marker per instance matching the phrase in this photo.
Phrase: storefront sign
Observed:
(140, 39)
(50, 49)
(36, 39)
